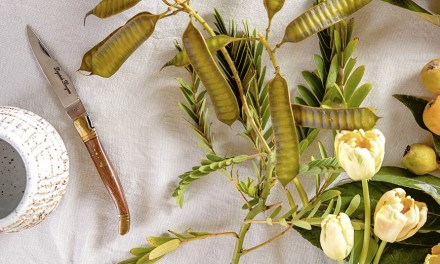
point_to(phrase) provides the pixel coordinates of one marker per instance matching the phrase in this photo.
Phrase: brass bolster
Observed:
(84, 127)
(124, 224)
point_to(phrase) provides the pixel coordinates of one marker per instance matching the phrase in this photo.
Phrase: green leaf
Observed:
(417, 10)
(165, 248)
(338, 205)
(349, 66)
(146, 260)
(349, 49)
(289, 213)
(198, 234)
(319, 62)
(180, 235)
(417, 106)
(307, 96)
(283, 222)
(302, 224)
(359, 95)
(350, 27)
(354, 204)
(314, 210)
(333, 73)
(311, 135)
(314, 83)
(206, 168)
(353, 82)
(132, 260)
(357, 248)
(157, 241)
(311, 235)
(426, 183)
(327, 165)
(140, 251)
(436, 140)
(189, 112)
(411, 250)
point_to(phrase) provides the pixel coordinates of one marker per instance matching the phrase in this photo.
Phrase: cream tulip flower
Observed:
(360, 153)
(434, 257)
(398, 216)
(337, 236)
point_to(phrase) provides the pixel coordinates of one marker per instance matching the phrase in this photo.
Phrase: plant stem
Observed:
(341, 261)
(268, 28)
(274, 206)
(271, 54)
(367, 227)
(238, 250)
(237, 79)
(210, 235)
(238, 190)
(267, 241)
(260, 207)
(379, 252)
(302, 193)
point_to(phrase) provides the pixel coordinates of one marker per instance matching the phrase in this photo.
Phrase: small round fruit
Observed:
(420, 159)
(431, 115)
(430, 76)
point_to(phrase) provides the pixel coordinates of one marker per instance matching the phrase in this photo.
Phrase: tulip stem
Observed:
(379, 252)
(341, 261)
(365, 244)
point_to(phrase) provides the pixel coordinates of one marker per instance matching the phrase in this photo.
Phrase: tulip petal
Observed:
(388, 223)
(360, 153)
(398, 216)
(337, 236)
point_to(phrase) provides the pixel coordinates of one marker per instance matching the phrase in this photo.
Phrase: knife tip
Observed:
(29, 30)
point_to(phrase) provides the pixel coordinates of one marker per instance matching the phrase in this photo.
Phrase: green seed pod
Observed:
(86, 64)
(320, 17)
(214, 44)
(336, 118)
(272, 7)
(107, 8)
(110, 56)
(222, 97)
(284, 130)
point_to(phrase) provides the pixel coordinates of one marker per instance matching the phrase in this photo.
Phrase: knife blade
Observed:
(66, 92)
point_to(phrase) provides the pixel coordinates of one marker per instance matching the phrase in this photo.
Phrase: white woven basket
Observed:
(34, 169)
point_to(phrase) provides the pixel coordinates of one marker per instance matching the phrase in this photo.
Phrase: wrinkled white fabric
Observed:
(137, 116)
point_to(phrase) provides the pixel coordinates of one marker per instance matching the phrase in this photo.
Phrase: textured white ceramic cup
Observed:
(34, 169)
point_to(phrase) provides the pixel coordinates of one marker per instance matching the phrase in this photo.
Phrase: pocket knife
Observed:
(64, 89)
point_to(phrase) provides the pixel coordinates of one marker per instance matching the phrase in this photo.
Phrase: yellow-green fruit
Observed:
(431, 116)
(430, 76)
(420, 159)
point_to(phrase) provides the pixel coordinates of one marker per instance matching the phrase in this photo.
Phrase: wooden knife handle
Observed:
(105, 170)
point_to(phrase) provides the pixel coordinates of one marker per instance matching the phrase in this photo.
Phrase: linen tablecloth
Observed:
(140, 124)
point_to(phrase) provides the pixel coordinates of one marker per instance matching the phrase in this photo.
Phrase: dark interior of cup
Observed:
(12, 178)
